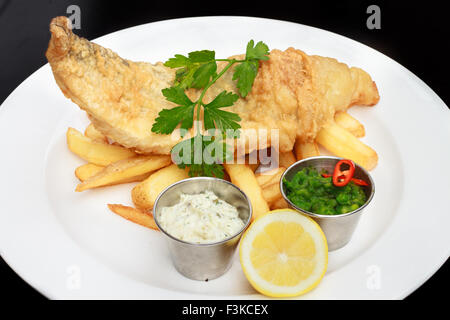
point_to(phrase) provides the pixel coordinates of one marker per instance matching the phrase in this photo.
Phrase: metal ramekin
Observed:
(203, 261)
(338, 229)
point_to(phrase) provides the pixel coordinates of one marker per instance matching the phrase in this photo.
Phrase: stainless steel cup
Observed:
(338, 229)
(203, 261)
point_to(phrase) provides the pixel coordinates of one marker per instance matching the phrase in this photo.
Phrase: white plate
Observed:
(69, 245)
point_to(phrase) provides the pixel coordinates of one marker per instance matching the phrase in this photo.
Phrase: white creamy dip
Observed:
(201, 218)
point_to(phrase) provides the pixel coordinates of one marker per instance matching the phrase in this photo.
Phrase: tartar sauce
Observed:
(201, 218)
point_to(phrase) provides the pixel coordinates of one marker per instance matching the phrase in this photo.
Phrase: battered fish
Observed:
(293, 92)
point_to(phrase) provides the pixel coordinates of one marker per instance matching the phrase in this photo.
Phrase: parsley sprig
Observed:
(199, 70)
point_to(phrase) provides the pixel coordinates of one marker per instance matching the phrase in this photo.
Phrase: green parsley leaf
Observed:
(176, 95)
(203, 75)
(221, 119)
(213, 144)
(178, 61)
(223, 99)
(195, 70)
(258, 52)
(245, 74)
(202, 56)
(202, 148)
(184, 77)
(199, 70)
(205, 170)
(168, 119)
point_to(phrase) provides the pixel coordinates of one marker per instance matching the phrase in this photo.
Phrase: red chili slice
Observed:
(358, 182)
(343, 177)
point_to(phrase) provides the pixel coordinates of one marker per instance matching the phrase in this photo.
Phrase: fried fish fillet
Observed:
(293, 92)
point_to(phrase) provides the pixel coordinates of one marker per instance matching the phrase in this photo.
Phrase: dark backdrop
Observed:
(412, 33)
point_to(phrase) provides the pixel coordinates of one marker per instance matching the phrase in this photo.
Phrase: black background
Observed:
(415, 34)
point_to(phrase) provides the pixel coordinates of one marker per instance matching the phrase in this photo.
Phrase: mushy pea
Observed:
(310, 191)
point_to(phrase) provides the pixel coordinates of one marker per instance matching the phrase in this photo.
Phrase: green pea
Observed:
(312, 192)
(343, 198)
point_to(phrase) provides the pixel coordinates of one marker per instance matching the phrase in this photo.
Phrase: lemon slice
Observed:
(284, 253)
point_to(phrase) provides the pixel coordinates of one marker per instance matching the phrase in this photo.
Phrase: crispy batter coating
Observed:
(293, 92)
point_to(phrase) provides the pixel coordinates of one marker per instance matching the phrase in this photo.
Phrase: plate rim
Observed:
(5, 103)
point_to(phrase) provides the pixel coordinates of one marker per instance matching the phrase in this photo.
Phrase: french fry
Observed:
(279, 204)
(272, 193)
(286, 159)
(94, 134)
(267, 178)
(253, 157)
(101, 154)
(305, 150)
(125, 171)
(270, 184)
(253, 166)
(145, 193)
(255, 163)
(346, 121)
(137, 216)
(87, 170)
(344, 144)
(243, 176)
(226, 176)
